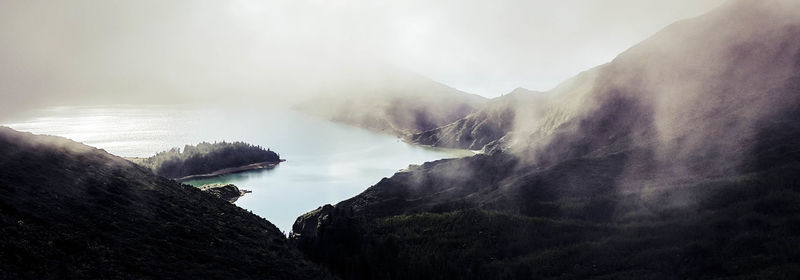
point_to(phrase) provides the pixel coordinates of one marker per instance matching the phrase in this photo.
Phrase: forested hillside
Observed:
(72, 211)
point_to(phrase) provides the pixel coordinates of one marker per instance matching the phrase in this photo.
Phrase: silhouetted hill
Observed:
(69, 211)
(677, 160)
(398, 103)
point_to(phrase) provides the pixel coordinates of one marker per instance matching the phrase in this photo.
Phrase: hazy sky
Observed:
(153, 51)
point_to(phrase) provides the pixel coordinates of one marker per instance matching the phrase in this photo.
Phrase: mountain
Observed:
(696, 96)
(678, 159)
(571, 221)
(68, 210)
(716, 64)
(521, 112)
(491, 122)
(394, 102)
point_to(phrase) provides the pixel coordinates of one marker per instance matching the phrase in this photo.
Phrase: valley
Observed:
(678, 158)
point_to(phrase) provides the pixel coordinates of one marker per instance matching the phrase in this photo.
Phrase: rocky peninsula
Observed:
(229, 192)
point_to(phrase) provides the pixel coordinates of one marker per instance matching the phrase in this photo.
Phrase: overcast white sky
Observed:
(131, 51)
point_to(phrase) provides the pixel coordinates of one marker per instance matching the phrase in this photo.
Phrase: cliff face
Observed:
(71, 211)
(673, 161)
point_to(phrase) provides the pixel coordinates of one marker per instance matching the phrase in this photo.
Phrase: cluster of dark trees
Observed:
(206, 158)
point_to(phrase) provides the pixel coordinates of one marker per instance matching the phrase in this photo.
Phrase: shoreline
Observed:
(231, 170)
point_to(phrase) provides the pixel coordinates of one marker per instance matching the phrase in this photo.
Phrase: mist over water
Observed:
(326, 162)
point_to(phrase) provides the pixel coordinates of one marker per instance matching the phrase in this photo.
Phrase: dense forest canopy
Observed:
(206, 158)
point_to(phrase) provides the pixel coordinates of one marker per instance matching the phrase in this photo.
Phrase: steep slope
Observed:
(395, 102)
(677, 160)
(71, 211)
(490, 123)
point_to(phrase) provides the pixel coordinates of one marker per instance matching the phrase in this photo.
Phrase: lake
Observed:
(326, 162)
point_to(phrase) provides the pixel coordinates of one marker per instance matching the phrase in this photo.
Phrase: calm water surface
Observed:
(326, 162)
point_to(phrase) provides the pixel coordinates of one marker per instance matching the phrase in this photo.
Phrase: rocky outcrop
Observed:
(227, 192)
(308, 225)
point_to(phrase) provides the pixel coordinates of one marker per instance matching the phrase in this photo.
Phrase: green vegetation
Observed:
(69, 211)
(206, 158)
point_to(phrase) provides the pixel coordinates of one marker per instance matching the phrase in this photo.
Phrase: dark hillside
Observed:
(569, 221)
(69, 211)
(678, 160)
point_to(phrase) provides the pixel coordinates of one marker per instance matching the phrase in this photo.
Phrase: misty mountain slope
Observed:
(496, 217)
(720, 66)
(491, 122)
(490, 217)
(72, 211)
(520, 111)
(679, 159)
(395, 102)
(696, 90)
